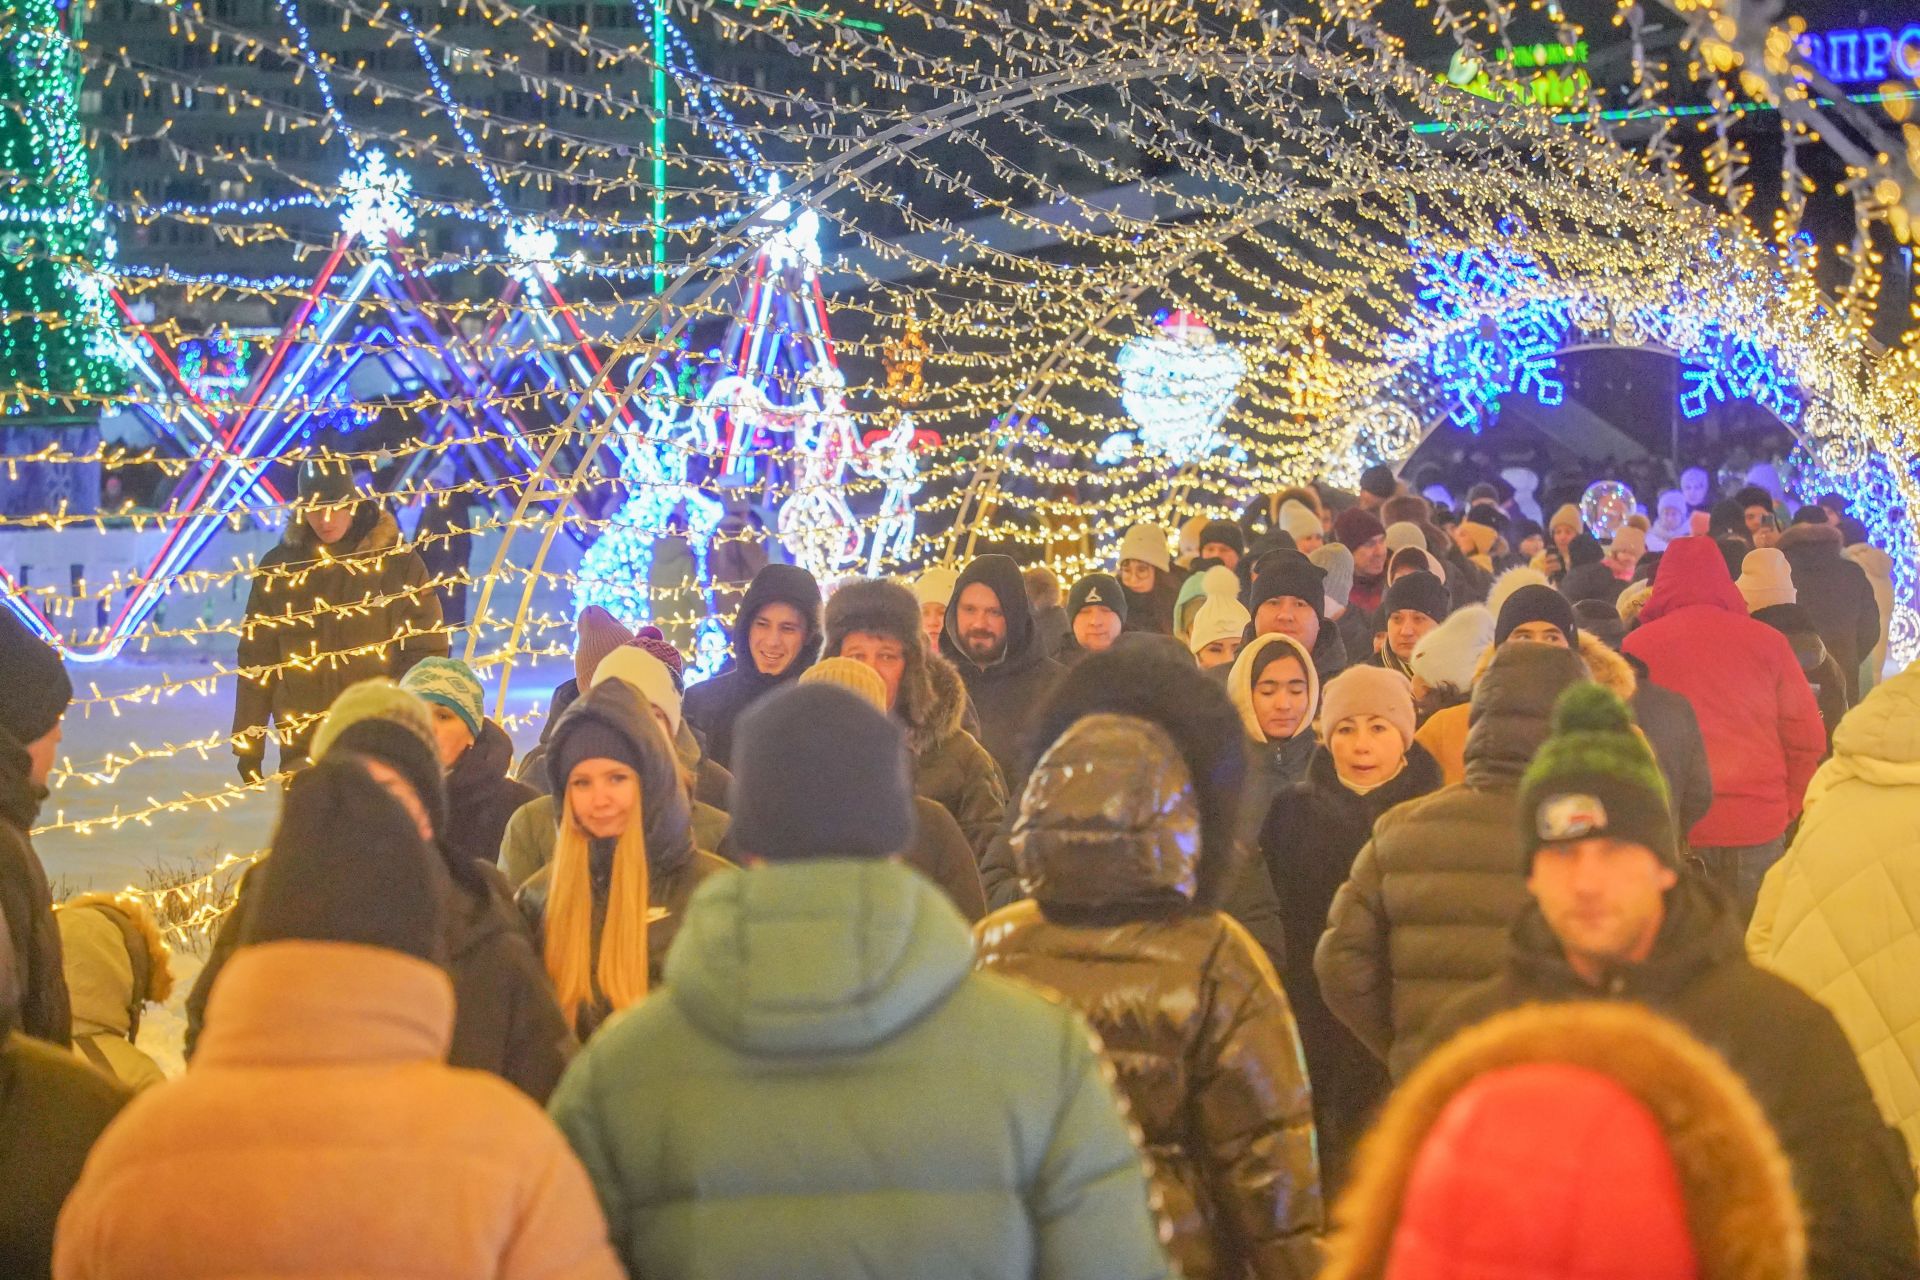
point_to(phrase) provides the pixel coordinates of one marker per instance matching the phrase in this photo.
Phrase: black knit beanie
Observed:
(1224, 532)
(1536, 603)
(400, 749)
(347, 865)
(1288, 573)
(1584, 549)
(1378, 480)
(34, 688)
(325, 481)
(819, 773)
(1595, 776)
(1492, 517)
(1101, 589)
(1420, 591)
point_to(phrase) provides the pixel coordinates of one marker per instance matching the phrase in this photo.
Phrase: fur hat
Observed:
(1766, 579)
(1147, 543)
(1298, 522)
(651, 678)
(1595, 776)
(1368, 691)
(449, 683)
(876, 607)
(1446, 656)
(597, 633)
(1335, 560)
(1511, 581)
(931, 700)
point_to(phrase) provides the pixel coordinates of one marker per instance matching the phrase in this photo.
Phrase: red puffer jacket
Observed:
(1756, 711)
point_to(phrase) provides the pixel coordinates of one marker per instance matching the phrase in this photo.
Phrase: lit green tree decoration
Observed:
(57, 337)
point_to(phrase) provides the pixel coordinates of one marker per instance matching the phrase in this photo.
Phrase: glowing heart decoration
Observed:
(1177, 383)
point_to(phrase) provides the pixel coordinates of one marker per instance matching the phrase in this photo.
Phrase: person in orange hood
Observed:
(319, 1131)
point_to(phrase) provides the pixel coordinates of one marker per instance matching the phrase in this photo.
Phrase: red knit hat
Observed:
(597, 634)
(654, 642)
(1356, 527)
(1544, 1171)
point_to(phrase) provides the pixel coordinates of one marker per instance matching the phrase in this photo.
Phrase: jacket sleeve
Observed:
(946, 860)
(259, 648)
(1803, 734)
(45, 1008)
(414, 616)
(521, 849)
(561, 1233)
(999, 875)
(225, 940)
(539, 1041)
(1766, 911)
(1351, 960)
(1695, 795)
(575, 1109)
(1255, 906)
(1256, 1117)
(1089, 1200)
(983, 802)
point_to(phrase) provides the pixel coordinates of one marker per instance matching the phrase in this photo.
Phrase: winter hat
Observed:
(1195, 589)
(855, 677)
(399, 748)
(1766, 579)
(347, 865)
(1479, 539)
(1377, 480)
(1288, 573)
(1421, 592)
(1414, 560)
(1584, 549)
(1632, 599)
(1595, 777)
(325, 481)
(819, 773)
(597, 633)
(1628, 538)
(1367, 691)
(1335, 561)
(1511, 581)
(376, 699)
(1147, 543)
(1535, 603)
(1445, 657)
(651, 678)
(1228, 534)
(1568, 517)
(1356, 528)
(654, 642)
(1221, 617)
(449, 683)
(1487, 516)
(1403, 534)
(1101, 589)
(34, 687)
(1189, 546)
(1298, 520)
(935, 586)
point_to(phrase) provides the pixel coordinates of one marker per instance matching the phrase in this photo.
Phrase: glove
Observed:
(249, 768)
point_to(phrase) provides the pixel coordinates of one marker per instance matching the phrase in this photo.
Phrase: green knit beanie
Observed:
(1595, 776)
(376, 699)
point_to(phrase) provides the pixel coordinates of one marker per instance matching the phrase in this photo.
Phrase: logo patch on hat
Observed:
(1570, 817)
(1094, 596)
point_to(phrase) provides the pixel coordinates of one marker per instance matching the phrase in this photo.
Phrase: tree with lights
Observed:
(56, 341)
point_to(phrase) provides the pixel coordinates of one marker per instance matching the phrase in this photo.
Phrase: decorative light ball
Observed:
(1605, 507)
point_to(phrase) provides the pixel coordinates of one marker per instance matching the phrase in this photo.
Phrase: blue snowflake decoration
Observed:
(1726, 367)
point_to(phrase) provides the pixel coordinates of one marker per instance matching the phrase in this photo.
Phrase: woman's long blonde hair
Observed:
(621, 969)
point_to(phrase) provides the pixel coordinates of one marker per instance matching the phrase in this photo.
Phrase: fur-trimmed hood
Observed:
(1744, 1216)
(372, 531)
(1604, 667)
(115, 960)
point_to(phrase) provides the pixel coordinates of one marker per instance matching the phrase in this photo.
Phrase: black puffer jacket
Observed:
(1852, 1172)
(1008, 694)
(1837, 594)
(1425, 912)
(1124, 925)
(674, 867)
(713, 705)
(38, 980)
(481, 798)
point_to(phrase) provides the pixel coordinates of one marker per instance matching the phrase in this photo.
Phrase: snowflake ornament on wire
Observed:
(376, 198)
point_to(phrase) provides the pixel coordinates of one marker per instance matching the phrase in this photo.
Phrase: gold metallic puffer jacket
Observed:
(1186, 1004)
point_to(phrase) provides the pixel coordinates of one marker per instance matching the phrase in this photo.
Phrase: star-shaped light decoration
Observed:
(376, 198)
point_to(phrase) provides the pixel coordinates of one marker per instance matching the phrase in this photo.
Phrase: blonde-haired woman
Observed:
(606, 908)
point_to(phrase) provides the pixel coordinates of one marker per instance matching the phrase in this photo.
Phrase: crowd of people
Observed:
(1380, 885)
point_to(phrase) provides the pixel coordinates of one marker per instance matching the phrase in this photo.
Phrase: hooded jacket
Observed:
(362, 607)
(1271, 766)
(1123, 925)
(1855, 1181)
(1823, 674)
(713, 705)
(1878, 566)
(322, 1083)
(481, 798)
(1424, 913)
(27, 904)
(1757, 713)
(785, 1076)
(115, 963)
(674, 867)
(1006, 694)
(1823, 919)
(1838, 596)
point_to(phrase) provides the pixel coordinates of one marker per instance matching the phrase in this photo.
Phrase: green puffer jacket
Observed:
(825, 1088)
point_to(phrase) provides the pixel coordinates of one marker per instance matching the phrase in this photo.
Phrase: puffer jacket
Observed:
(53, 1108)
(114, 965)
(1007, 695)
(712, 706)
(1193, 1021)
(1878, 566)
(1757, 713)
(481, 798)
(1837, 596)
(950, 767)
(1425, 911)
(380, 617)
(1826, 916)
(322, 1083)
(27, 905)
(825, 1090)
(674, 867)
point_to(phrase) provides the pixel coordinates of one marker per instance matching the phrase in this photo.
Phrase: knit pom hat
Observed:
(1368, 691)
(1194, 592)
(1100, 590)
(597, 633)
(1595, 776)
(449, 683)
(1628, 538)
(1221, 616)
(1228, 534)
(935, 586)
(1147, 543)
(1419, 591)
(656, 643)
(818, 772)
(1446, 656)
(34, 687)
(377, 699)
(855, 677)
(1335, 561)
(1568, 517)
(1356, 528)
(1536, 603)
(1766, 578)
(1298, 521)
(651, 678)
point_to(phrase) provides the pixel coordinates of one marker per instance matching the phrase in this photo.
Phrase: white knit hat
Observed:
(1221, 617)
(1147, 543)
(646, 675)
(1402, 534)
(1298, 520)
(936, 585)
(1766, 579)
(1447, 655)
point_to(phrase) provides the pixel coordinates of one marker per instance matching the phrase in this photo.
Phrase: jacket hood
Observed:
(1692, 572)
(1700, 930)
(321, 1004)
(1811, 542)
(1743, 1215)
(113, 965)
(1001, 575)
(481, 766)
(1109, 821)
(665, 812)
(1197, 717)
(778, 584)
(816, 957)
(1512, 709)
(372, 529)
(1878, 742)
(1447, 657)
(1240, 683)
(1877, 563)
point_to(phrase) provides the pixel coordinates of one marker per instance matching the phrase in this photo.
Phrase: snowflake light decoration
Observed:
(1177, 383)
(1723, 366)
(530, 244)
(796, 241)
(376, 198)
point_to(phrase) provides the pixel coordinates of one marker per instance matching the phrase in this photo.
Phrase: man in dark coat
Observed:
(34, 692)
(1289, 596)
(1613, 916)
(990, 640)
(339, 600)
(776, 636)
(1837, 593)
(1425, 911)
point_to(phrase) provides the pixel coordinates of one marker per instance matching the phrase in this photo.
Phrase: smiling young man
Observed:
(776, 636)
(1614, 916)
